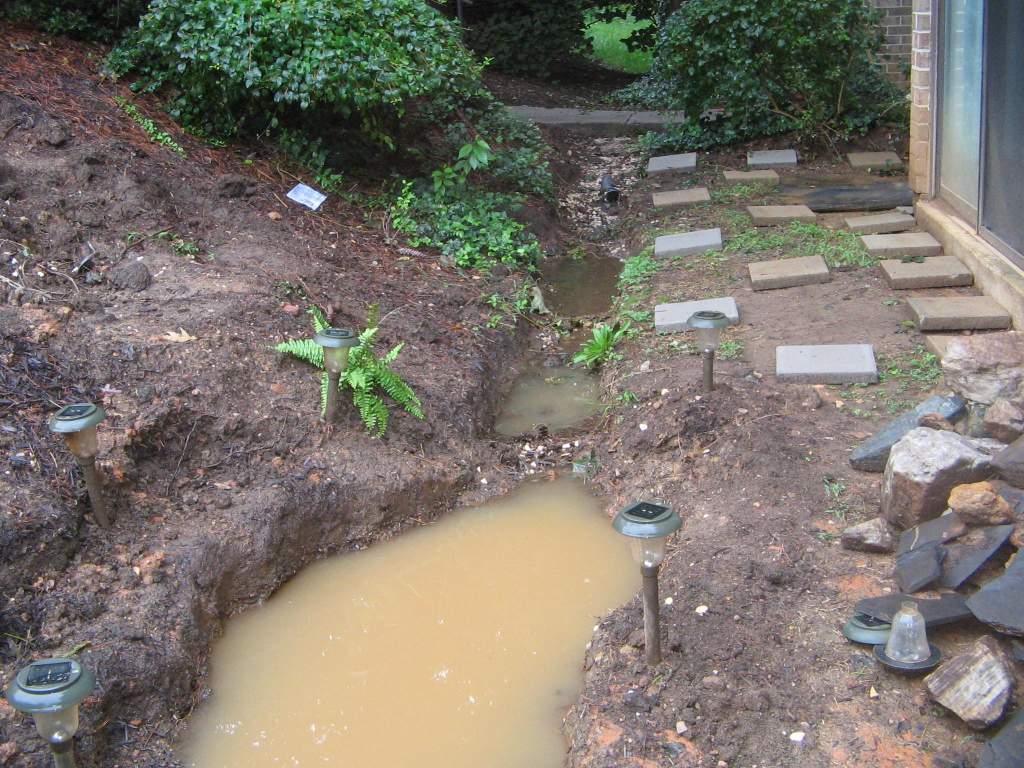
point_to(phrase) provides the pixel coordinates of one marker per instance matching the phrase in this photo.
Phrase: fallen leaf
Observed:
(176, 337)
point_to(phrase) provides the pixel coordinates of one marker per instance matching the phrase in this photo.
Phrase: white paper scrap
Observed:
(307, 196)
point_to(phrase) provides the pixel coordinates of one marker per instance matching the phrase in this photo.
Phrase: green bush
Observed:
(773, 65)
(100, 20)
(253, 65)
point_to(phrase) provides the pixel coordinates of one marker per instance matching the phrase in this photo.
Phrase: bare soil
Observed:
(225, 483)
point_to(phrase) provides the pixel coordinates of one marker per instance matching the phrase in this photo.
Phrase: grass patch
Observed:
(606, 42)
(757, 239)
(838, 247)
(730, 350)
(919, 368)
(737, 193)
(637, 270)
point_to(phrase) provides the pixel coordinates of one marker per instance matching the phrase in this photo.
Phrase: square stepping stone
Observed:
(958, 313)
(788, 273)
(755, 177)
(880, 223)
(675, 317)
(879, 160)
(770, 215)
(665, 163)
(903, 244)
(680, 197)
(936, 272)
(826, 364)
(771, 158)
(688, 243)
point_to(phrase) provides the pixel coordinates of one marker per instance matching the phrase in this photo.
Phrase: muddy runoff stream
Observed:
(458, 644)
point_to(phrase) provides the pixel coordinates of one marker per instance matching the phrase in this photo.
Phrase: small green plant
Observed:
(638, 269)
(835, 488)
(755, 240)
(737, 193)
(918, 368)
(185, 248)
(730, 350)
(838, 247)
(601, 347)
(367, 375)
(640, 316)
(147, 125)
(628, 398)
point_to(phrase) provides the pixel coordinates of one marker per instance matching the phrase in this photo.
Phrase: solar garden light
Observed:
(78, 425)
(709, 325)
(336, 343)
(907, 649)
(50, 690)
(648, 526)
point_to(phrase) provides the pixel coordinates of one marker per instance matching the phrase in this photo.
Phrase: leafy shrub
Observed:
(366, 375)
(251, 65)
(100, 20)
(773, 65)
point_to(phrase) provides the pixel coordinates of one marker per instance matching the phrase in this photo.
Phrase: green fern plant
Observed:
(367, 376)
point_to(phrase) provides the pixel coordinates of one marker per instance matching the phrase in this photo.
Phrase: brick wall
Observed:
(897, 24)
(922, 98)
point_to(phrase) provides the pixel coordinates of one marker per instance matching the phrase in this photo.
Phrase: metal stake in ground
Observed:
(648, 526)
(51, 690)
(709, 325)
(336, 343)
(78, 425)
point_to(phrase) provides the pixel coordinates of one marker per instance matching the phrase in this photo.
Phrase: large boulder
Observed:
(924, 466)
(871, 455)
(986, 367)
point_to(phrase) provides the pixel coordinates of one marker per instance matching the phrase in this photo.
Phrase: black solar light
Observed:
(50, 690)
(648, 526)
(78, 425)
(708, 324)
(336, 343)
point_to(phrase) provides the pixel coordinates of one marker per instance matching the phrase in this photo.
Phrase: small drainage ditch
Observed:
(458, 644)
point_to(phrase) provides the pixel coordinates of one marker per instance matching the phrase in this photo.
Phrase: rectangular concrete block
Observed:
(678, 163)
(936, 272)
(875, 160)
(681, 197)
(902, 244)
(826, 364)
(688, 243)
(788, 273)
(752, 177)
(771, 158)
(880, 223)
(770, 215)
(958, 313)
(675, 317)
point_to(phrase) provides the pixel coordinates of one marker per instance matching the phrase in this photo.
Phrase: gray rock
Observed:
(924, 466)
(969, 553)
(1009, 463)
(918, 568)
(1004, 421)
(938, 531)
(947, 609)
(1006, 750)
(130, 276)
(871, 455)
(985, 367)
(1000, 603)
(976, 684)
(872, 536)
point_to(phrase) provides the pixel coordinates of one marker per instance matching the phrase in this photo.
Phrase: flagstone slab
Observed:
(826, 364)
(681, 197)
(902, 244)
(756, 177)
(788, 273)
(880, 223)
(684, 162)
(771, 158)
(688, 243)
(771, 215)
(875, 160)
(936, 272)
(958, 313)
(676, 316)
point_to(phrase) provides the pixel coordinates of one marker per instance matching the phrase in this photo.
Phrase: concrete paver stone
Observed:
(770, 215)
(674, 317)
(880, 223)
(879, 160)
(688, 243)
(936, 272)
(771, 158)
(826, 364)
(763, 176)
(665, 163)
(958, 313)
(680, 197)
(788, 273)
(902, 244)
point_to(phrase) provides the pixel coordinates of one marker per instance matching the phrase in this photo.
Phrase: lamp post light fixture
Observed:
(709, 325)
(78, 425)
(50, 690)
(648, 526)
(336, 343)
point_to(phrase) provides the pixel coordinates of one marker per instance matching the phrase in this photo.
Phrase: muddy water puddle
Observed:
(556, 397)
(458, 645)
(578, 287)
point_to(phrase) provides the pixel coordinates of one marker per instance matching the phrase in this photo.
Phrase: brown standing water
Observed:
(557, 397)
(457, 645)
